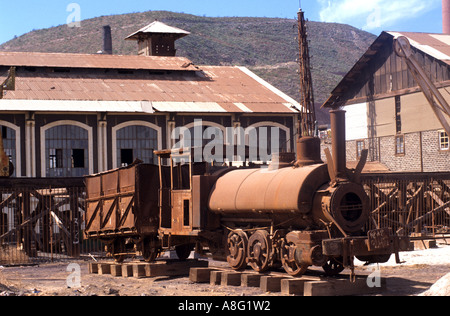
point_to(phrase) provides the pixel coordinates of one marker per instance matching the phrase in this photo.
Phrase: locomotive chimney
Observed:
(338, 142)
(107, 40)
(446, 16)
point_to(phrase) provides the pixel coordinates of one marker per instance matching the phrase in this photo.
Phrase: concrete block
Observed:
(116, 270)
(318, 288)
(215, 277)
(294, 286)
(173, 268)
(127, 270)
(200, 275)
(139, 270)
(93, 267)
(271, 283)
(342, 287)
(104, 268)
(424, 244)
(231, 279)
(251, 280)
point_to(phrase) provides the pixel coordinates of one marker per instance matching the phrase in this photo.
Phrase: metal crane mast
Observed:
(308, 113)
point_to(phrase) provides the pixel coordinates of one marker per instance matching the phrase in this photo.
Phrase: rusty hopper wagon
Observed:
(306, 213)
(123, 209)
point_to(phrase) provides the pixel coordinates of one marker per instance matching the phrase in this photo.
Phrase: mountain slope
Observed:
(266, 46)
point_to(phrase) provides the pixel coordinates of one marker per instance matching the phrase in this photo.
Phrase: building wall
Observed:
(434, 159)
(103, 137)
(422, 152)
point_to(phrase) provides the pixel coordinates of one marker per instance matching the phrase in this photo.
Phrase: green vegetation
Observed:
(266, 46)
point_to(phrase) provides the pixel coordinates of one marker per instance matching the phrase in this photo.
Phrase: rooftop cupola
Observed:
(157, 39)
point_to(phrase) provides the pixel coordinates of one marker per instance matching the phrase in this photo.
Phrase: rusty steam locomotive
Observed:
(301, 214)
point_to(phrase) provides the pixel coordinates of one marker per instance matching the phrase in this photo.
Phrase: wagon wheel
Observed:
(333, 267)
(119, 258)
(117, 250)
(183, 251)
(237, 244)
(259, 251)
(288, 259)
(150, 249)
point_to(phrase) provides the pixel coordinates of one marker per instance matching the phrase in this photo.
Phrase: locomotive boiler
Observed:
(300, 214)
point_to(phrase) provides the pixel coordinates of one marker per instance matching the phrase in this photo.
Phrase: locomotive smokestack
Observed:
(339, 146)
(446, 16)
(107, 40)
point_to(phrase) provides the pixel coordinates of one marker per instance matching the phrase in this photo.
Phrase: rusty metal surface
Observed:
(338, 145)
(220, 89)
(308, 113)
(435, 45)
(122, 201)
(284, 190)
(64, 60)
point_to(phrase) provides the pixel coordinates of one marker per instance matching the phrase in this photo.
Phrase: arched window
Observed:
(199, 133)
(67, 149)
(269, 138)
(135, 140)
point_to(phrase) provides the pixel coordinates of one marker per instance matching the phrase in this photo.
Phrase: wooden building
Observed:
(77, 114)
(386, 111)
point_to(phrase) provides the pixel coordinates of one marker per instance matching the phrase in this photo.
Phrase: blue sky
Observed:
(21, 16)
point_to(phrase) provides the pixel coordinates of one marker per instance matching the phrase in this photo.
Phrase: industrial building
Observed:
(386, 110)
(77, 114)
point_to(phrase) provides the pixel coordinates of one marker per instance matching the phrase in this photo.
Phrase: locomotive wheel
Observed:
(333, 267)
(288, 259)
(259, 250)
(237, 249)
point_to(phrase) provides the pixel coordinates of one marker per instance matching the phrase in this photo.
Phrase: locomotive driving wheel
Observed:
(237, 249)
(259, 251)
(333, 267)
(288, 259)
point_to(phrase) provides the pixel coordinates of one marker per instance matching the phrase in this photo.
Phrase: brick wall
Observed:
(434, 159)
(431, 159)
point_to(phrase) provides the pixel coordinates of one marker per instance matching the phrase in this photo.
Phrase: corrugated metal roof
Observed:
(214, 89)
(435, 45)
(59, 60)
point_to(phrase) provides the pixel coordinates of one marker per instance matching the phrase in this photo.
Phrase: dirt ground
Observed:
(73, 279)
